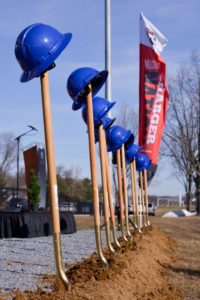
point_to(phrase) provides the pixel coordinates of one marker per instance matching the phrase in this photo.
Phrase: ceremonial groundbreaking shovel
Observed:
(104, 186)
(143, 163)
(101, 107)
(120, 194)
(109, 190)
(130, 153)
(53, 190)
(146, 197)
(125, 190)
(113, 223)
(116, 136)
(36, 49)
(93, 169)
(142, 199)
(134, 195)
(82, 84)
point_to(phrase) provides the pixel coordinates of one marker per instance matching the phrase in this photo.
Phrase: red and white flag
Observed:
(153, 93)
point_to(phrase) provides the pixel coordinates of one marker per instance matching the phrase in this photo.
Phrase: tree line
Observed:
(71, 186)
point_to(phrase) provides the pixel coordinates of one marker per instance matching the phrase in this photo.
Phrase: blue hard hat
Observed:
(77, 83)
(131, 152)
(37, 47)
(101, 107)
(77, 105)
(116, 137)
(142, 162)
(96, 135)
(130, 141)
(106, 122)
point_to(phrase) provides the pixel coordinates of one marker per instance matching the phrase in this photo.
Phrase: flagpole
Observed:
(108, 50)
(108, 93)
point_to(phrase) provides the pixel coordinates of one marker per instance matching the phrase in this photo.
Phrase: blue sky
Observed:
(21, 102)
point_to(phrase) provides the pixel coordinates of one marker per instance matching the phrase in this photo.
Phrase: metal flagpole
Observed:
(108, 50)
(108, 94)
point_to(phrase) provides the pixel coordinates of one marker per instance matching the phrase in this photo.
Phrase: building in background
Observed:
(35, 159)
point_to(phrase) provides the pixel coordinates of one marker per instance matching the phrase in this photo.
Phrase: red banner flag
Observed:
(153, 93)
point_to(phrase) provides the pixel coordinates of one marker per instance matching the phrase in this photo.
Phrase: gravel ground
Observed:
(23, 261)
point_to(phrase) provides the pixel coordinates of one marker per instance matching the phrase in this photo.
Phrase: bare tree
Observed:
(182, 132)
(69, 182)
(128, 119)
(7, 155)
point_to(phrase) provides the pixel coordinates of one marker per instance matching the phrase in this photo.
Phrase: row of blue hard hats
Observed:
(36, 49)
(78, 85)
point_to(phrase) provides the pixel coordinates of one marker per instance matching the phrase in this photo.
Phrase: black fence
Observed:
(33, 224)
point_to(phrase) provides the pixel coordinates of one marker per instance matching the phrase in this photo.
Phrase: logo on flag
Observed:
(151, 36)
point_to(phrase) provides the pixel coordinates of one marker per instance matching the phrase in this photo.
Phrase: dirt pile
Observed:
(139, 272)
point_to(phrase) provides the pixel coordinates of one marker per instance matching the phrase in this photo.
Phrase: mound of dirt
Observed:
(140, 271)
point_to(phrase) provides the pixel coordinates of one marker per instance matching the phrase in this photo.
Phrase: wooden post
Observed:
(120, 194)
(93, 170)
(125, 189)
(53, 190)
(104, 187)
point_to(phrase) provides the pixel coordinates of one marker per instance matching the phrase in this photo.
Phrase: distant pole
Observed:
(18, 150)
(18, 141)
(108, 50)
